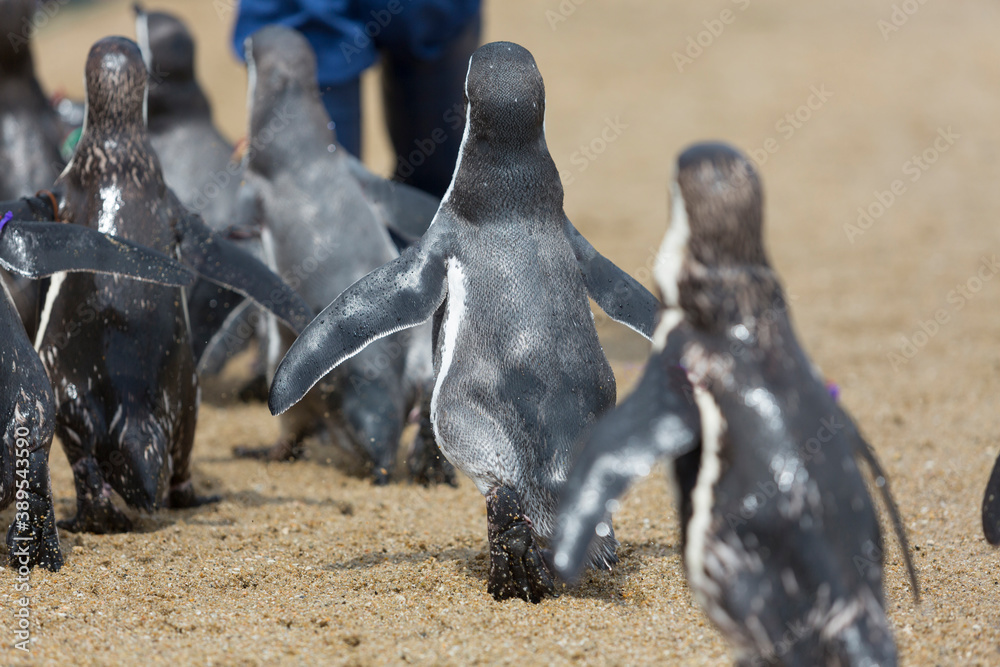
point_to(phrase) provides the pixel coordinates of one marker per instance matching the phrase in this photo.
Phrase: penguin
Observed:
(119, 353)
(781, 541)
(320, 228)
(198, 162)
(36, 250)
(504, 277)
(31, 134)
(991, 507)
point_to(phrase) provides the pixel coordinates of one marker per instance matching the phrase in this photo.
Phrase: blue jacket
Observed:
(347, 34)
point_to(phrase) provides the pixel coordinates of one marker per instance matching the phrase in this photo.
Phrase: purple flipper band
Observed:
(5, 219)
(833, 389)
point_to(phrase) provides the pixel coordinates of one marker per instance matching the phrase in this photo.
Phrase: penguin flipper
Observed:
(617, 293)
(230, 338)
(658, 420)
(37, 208)
(991, 507)
(865, 451)
(396, 296)
(405, 210)
(225, 264)
(39, 249)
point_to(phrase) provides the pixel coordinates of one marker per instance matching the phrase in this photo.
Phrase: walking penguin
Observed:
(118, 352)
(519, 371)
(320, 227)
(781, 540)
(35, 250)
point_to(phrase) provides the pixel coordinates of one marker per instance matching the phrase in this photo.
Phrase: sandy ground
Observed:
(302, 564)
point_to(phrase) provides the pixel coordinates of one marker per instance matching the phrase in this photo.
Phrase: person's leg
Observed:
(425, 111)
(343, 104)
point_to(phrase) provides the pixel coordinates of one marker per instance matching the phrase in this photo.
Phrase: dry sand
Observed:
(302, 564)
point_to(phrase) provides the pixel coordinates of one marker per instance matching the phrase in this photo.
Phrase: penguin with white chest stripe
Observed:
(118, 352)
(36, 250)
(320, 229)
(782, 543)
(520, 372)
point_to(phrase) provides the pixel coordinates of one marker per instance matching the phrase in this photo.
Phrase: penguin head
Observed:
(15, 26)
(503, 163)
(281, 85)
(505, 95)
(116, 83)
(168, 51)
(279, 61)
(714, 249)
(167, 46)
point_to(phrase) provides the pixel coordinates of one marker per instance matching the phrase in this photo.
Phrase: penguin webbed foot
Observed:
(182, 496)
(283, 450)
(380, 475)
(95, 513)
(517, 566)
(100, 518)
(427, 464)
(33, 548)
(35, 542)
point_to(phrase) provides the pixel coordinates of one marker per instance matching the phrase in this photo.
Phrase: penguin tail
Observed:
(138, 462)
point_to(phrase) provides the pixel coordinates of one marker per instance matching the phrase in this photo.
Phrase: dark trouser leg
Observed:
(425, 112)
(516, 565)
(32, 539)
(343, 105)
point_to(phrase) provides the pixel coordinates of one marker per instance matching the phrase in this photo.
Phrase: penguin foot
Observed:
(95, 513)
(32, 539)
(381, 476)
(517, 569)
(28, 547)
(254, 391)
(182, 496)
(35, 542)
(283, 450)
(100, 517)
(427, 464)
